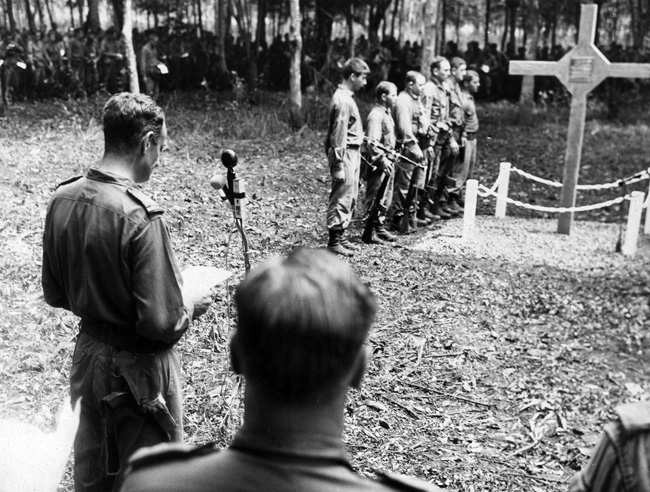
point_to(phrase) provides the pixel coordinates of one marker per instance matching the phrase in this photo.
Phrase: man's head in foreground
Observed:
(303, 321)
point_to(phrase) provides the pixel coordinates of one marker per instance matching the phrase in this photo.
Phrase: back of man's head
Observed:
(129, 117)
(302, 323)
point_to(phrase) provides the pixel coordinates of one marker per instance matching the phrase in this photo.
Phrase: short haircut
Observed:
(384, 87)
(469, 76)
(355, 66)
(437, 61)
(456, 62)
(302, 321)
(127, 118)
(412, 76)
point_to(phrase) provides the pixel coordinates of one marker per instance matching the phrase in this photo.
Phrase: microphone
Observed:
(218, 182)
(229, 158)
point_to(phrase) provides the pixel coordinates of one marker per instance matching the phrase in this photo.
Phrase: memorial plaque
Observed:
(581, 69)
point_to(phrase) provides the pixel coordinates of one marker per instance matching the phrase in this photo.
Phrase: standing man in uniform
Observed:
(469, 86)
(107, 257)
(380, 129)
(299, 343)
(436, 104)
(410, 125)
(342, 146)
(450, 172)
(149, 62)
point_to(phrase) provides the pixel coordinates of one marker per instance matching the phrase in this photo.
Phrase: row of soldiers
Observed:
(417, 151)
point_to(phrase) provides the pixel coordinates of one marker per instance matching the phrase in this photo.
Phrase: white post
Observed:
(469, 216)
(633, 223)
(504, 181)
(646, 228)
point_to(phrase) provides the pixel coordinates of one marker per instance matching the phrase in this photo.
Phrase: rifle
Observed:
(391, 152)
(377, 207)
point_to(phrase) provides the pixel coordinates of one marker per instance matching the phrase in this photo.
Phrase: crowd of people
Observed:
(80, 61)
(416, 153)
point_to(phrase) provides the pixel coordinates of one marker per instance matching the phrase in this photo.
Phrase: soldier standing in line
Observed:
(448, 187)
(342, 146)
(410, 125)
(469, 86)
(380, 128)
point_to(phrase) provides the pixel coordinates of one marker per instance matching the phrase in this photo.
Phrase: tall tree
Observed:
(526, 104)
(93, 15)
(488, 12)
(640, 15)
(123, 10)
(429, 49)
(377, 13)
(295, 93)
(30, 17)
(221, 14)
(39, 9)
(80, 6)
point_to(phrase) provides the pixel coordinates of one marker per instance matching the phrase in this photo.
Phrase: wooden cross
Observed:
(580, 71)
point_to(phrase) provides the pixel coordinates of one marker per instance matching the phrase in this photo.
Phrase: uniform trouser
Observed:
(461, 169)
(152, 87)
(403, 174)
(445, 181)
(343, 197)
(113, 424)
(373, 183)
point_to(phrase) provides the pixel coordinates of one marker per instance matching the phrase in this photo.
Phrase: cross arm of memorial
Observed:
(580, 71)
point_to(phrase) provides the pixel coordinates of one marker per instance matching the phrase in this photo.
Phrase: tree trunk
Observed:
(93, 15)
(10, 15)
(488, 7)
(527, 101)
(395, 16)
(80, 5)
(71, 13)
(30, 17)
(377, 14)
(124, 21)
(295, 94)
(41, 16)
(200, 9)
(49, 12)
(324, 21)
(221, 13)
(443, 27)
(429, 48)
(350, 29)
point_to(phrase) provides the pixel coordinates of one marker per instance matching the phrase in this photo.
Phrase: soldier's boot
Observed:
(453, 204)
(436, 209)
(446, 207)
(374, 238)
(345, 242)
(334, 244)
(383, 234)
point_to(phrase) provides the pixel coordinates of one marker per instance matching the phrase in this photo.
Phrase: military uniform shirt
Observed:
(381, 128)
(107, 257)
(345, 127)
(257, 461)
(409, 118)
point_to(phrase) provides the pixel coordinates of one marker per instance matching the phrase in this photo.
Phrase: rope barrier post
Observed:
(646, 228)
(504, 180)
(633, 224)
(469, 216)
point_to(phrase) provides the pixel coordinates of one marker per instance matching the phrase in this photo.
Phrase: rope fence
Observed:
(499, 190)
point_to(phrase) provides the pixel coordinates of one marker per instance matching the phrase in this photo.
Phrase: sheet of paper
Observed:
(204, 276)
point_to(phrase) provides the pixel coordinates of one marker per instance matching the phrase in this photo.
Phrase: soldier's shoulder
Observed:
(168, 453)
(147, 202)
(68, 181)
(634, 417)
(404, 483)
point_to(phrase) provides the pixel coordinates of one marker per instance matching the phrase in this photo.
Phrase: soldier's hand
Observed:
(455, 149)
(338, 176)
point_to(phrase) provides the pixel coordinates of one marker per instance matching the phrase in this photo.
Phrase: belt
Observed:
(122, 338)
(471, 136)
(353, 146)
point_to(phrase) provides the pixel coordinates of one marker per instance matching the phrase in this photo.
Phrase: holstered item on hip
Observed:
(110, 406)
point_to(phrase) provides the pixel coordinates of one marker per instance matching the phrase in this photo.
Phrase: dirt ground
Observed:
(496, 359)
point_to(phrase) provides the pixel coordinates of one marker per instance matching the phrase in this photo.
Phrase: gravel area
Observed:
(591, 246)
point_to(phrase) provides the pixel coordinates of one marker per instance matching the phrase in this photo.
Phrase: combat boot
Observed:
(438, 210)
(374, 238)
(334, 244)
(383, 234)
(445, 207)
(345, 242)
(453, 204)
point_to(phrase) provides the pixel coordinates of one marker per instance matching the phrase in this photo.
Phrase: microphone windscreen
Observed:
(218, 181)
(229, 158)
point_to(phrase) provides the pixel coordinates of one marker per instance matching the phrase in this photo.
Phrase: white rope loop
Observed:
(485, 192)
(631, 180)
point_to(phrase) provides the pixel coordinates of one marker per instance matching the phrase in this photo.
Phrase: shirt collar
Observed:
(112, 178)
(346, 90)
(305, 445)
